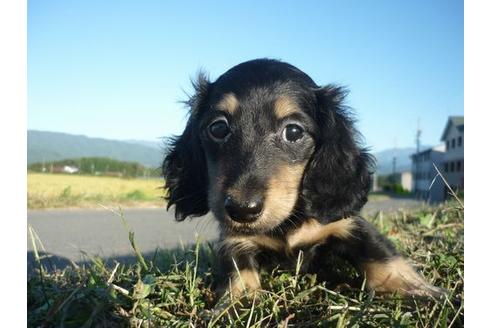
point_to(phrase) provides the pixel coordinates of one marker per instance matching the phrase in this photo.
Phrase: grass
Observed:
(172, 288)
(378, 197)
(64, 190)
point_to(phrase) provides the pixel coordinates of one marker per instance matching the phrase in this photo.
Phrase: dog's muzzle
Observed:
(244, 211)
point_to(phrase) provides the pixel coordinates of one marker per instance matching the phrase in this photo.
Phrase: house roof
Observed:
(421, 152)
(438, 149)
(456, 121)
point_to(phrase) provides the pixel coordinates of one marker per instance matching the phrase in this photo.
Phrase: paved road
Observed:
(65, 233)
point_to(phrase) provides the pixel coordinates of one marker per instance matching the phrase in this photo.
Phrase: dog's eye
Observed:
(219, 129)
(292, 133)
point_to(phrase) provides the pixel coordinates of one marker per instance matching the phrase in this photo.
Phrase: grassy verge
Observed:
(377, 197)
(172, 289)
(63, 190)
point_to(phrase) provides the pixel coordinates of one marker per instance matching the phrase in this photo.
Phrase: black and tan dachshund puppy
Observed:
(278, 161)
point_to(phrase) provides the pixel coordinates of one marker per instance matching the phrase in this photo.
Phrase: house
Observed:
(70, 169)
(453, 161)
(403, 178)
(63, 169)
(423, 172)
(448, 158)
(406, 180)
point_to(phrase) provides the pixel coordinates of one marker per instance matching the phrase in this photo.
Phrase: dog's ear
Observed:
(338, 177)
(184, 168)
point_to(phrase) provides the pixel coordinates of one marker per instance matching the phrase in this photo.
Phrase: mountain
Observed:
(53, 146)
(147, 143)
(384, 159)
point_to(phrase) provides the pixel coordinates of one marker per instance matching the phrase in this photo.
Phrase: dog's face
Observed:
(257, 139)
(264, 144)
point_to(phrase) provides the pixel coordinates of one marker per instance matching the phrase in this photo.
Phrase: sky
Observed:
(119, 69)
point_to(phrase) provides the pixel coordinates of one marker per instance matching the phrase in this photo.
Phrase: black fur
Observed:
(184, 166)
(201, 172)
(338, 177)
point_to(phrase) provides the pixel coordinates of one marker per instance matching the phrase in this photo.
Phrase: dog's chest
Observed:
(305, 236)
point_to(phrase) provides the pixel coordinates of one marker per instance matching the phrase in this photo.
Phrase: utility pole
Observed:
(417, 156)
(394, 163)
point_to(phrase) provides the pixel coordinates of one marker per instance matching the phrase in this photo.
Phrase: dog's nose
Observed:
(244, 212)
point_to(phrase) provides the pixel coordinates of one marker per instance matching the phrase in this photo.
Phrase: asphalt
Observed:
(70, 234)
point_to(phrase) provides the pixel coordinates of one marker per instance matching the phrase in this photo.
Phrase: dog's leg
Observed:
(239, 271)
(385, 269)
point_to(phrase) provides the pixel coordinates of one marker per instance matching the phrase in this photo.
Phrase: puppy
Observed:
(277, 160)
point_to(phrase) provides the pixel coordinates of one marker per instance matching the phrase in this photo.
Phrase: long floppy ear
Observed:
(338, 177)
(184, 167)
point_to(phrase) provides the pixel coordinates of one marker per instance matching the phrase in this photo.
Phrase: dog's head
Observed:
(264, 144)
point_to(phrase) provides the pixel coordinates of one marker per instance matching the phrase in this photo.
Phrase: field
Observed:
(84, 191)
(63, 190)
(173, 288)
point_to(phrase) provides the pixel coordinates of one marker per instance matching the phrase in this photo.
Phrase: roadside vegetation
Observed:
(173, 288)
(46, 190)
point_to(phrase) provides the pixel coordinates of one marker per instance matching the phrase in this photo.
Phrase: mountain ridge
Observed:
(53, 146)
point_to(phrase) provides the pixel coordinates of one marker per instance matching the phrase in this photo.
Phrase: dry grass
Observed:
(63, 190)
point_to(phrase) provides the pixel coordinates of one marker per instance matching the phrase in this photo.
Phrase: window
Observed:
(460, 140)
(458, 166)
(453, 143)
(446, 167)
(451, 167)
(447, 145)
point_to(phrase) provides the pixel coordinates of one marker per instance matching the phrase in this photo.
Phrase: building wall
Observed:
(453, 161)
(426, 173)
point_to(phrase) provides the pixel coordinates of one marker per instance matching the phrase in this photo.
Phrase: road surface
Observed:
(66, 234)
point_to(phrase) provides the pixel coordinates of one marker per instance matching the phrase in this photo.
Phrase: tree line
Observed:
(96, 166)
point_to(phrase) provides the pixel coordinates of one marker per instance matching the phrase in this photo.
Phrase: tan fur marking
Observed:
(282, 191)
(228, 103)
(237, 245)
(397, 275)
(284, 107)
(244, 244)
(248, 279)
(312, 232)
(269, 243)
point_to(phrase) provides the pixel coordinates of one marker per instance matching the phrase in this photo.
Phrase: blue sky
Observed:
(117, 69)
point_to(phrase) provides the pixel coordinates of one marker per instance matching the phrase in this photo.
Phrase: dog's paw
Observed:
(397, 275)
